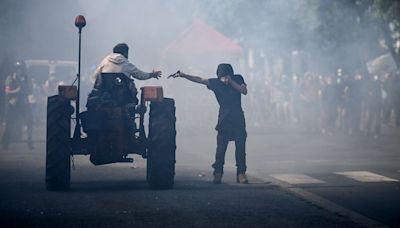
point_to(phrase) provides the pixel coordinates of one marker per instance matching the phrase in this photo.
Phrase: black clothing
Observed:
(353, 105)
(396, 98)
(240, 153)
(330, 100)
(17, 105)
(11, 118)
(231, 123)
(374, 107)
(231, 116)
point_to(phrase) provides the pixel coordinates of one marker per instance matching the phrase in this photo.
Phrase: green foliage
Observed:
(344, 32)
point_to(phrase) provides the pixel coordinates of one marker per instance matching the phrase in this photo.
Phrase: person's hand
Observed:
(226, 80)
(176, 75)
(156, 74)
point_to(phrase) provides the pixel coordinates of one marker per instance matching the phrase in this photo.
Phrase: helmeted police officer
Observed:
(18, 87)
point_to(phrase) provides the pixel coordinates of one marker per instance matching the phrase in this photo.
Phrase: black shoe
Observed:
(217, 178)
(242, 179)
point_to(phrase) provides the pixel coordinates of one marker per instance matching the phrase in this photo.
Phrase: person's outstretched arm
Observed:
(192, 78)
(139, 74)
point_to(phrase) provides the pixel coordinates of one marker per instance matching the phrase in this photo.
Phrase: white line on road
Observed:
(321, 202)
(312, 198)
(365, 176)
(296, 179)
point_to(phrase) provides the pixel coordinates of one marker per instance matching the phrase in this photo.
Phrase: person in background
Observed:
(18, 87)
(396, 97)
(329, 106)
(50, 86)
(353, 104)
(374, 107)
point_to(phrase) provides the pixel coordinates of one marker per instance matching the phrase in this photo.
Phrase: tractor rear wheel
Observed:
(161, 145)
(58, 149)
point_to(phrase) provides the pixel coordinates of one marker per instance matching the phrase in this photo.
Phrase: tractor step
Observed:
(127, 160)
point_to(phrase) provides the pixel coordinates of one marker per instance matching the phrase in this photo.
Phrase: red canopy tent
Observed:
(197, 51)
(201, 38)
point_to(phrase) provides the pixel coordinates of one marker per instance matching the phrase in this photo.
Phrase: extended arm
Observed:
(138, 74)
(192, 78)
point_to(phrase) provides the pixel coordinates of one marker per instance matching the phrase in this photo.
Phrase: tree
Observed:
(359, 22)
(387, 12)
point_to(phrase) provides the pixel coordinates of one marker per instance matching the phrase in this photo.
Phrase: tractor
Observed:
(110, 129)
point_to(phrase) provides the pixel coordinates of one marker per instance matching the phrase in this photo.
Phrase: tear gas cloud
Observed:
(278, 38)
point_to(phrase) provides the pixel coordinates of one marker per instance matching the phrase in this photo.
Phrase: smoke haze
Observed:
(44, 29)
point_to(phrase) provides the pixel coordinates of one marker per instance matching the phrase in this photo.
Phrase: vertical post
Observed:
(80, 22)
(142, 134)
(77, 131)
(79, 75)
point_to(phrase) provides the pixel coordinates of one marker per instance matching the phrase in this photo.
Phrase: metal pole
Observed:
(77, 132)
(79, 76)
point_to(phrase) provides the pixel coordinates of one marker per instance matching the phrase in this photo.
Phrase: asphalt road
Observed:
(355, 176)
(296, 180)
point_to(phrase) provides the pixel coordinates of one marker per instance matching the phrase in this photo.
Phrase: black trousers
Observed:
(374, 120)
(240, 151)
(11, 118)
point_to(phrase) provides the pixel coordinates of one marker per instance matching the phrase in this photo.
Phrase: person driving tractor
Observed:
(117, 62)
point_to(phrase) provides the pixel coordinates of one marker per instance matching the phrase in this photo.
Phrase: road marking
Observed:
(312, 198)
(365, 176)
(320, 201)
(296, 179)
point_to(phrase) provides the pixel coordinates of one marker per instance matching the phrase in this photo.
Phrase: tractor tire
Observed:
(58, 146)
(161, 145)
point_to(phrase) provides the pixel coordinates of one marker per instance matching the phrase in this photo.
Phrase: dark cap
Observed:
(224, 69)
(121, 48)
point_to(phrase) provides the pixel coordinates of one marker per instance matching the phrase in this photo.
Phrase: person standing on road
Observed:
(18, 87)
(231, 125)
(374, 107)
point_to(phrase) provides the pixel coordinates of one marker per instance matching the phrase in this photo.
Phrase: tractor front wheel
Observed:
(58, 150)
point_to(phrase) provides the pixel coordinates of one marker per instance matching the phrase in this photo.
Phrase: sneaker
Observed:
(242, 179)
(217, 178)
